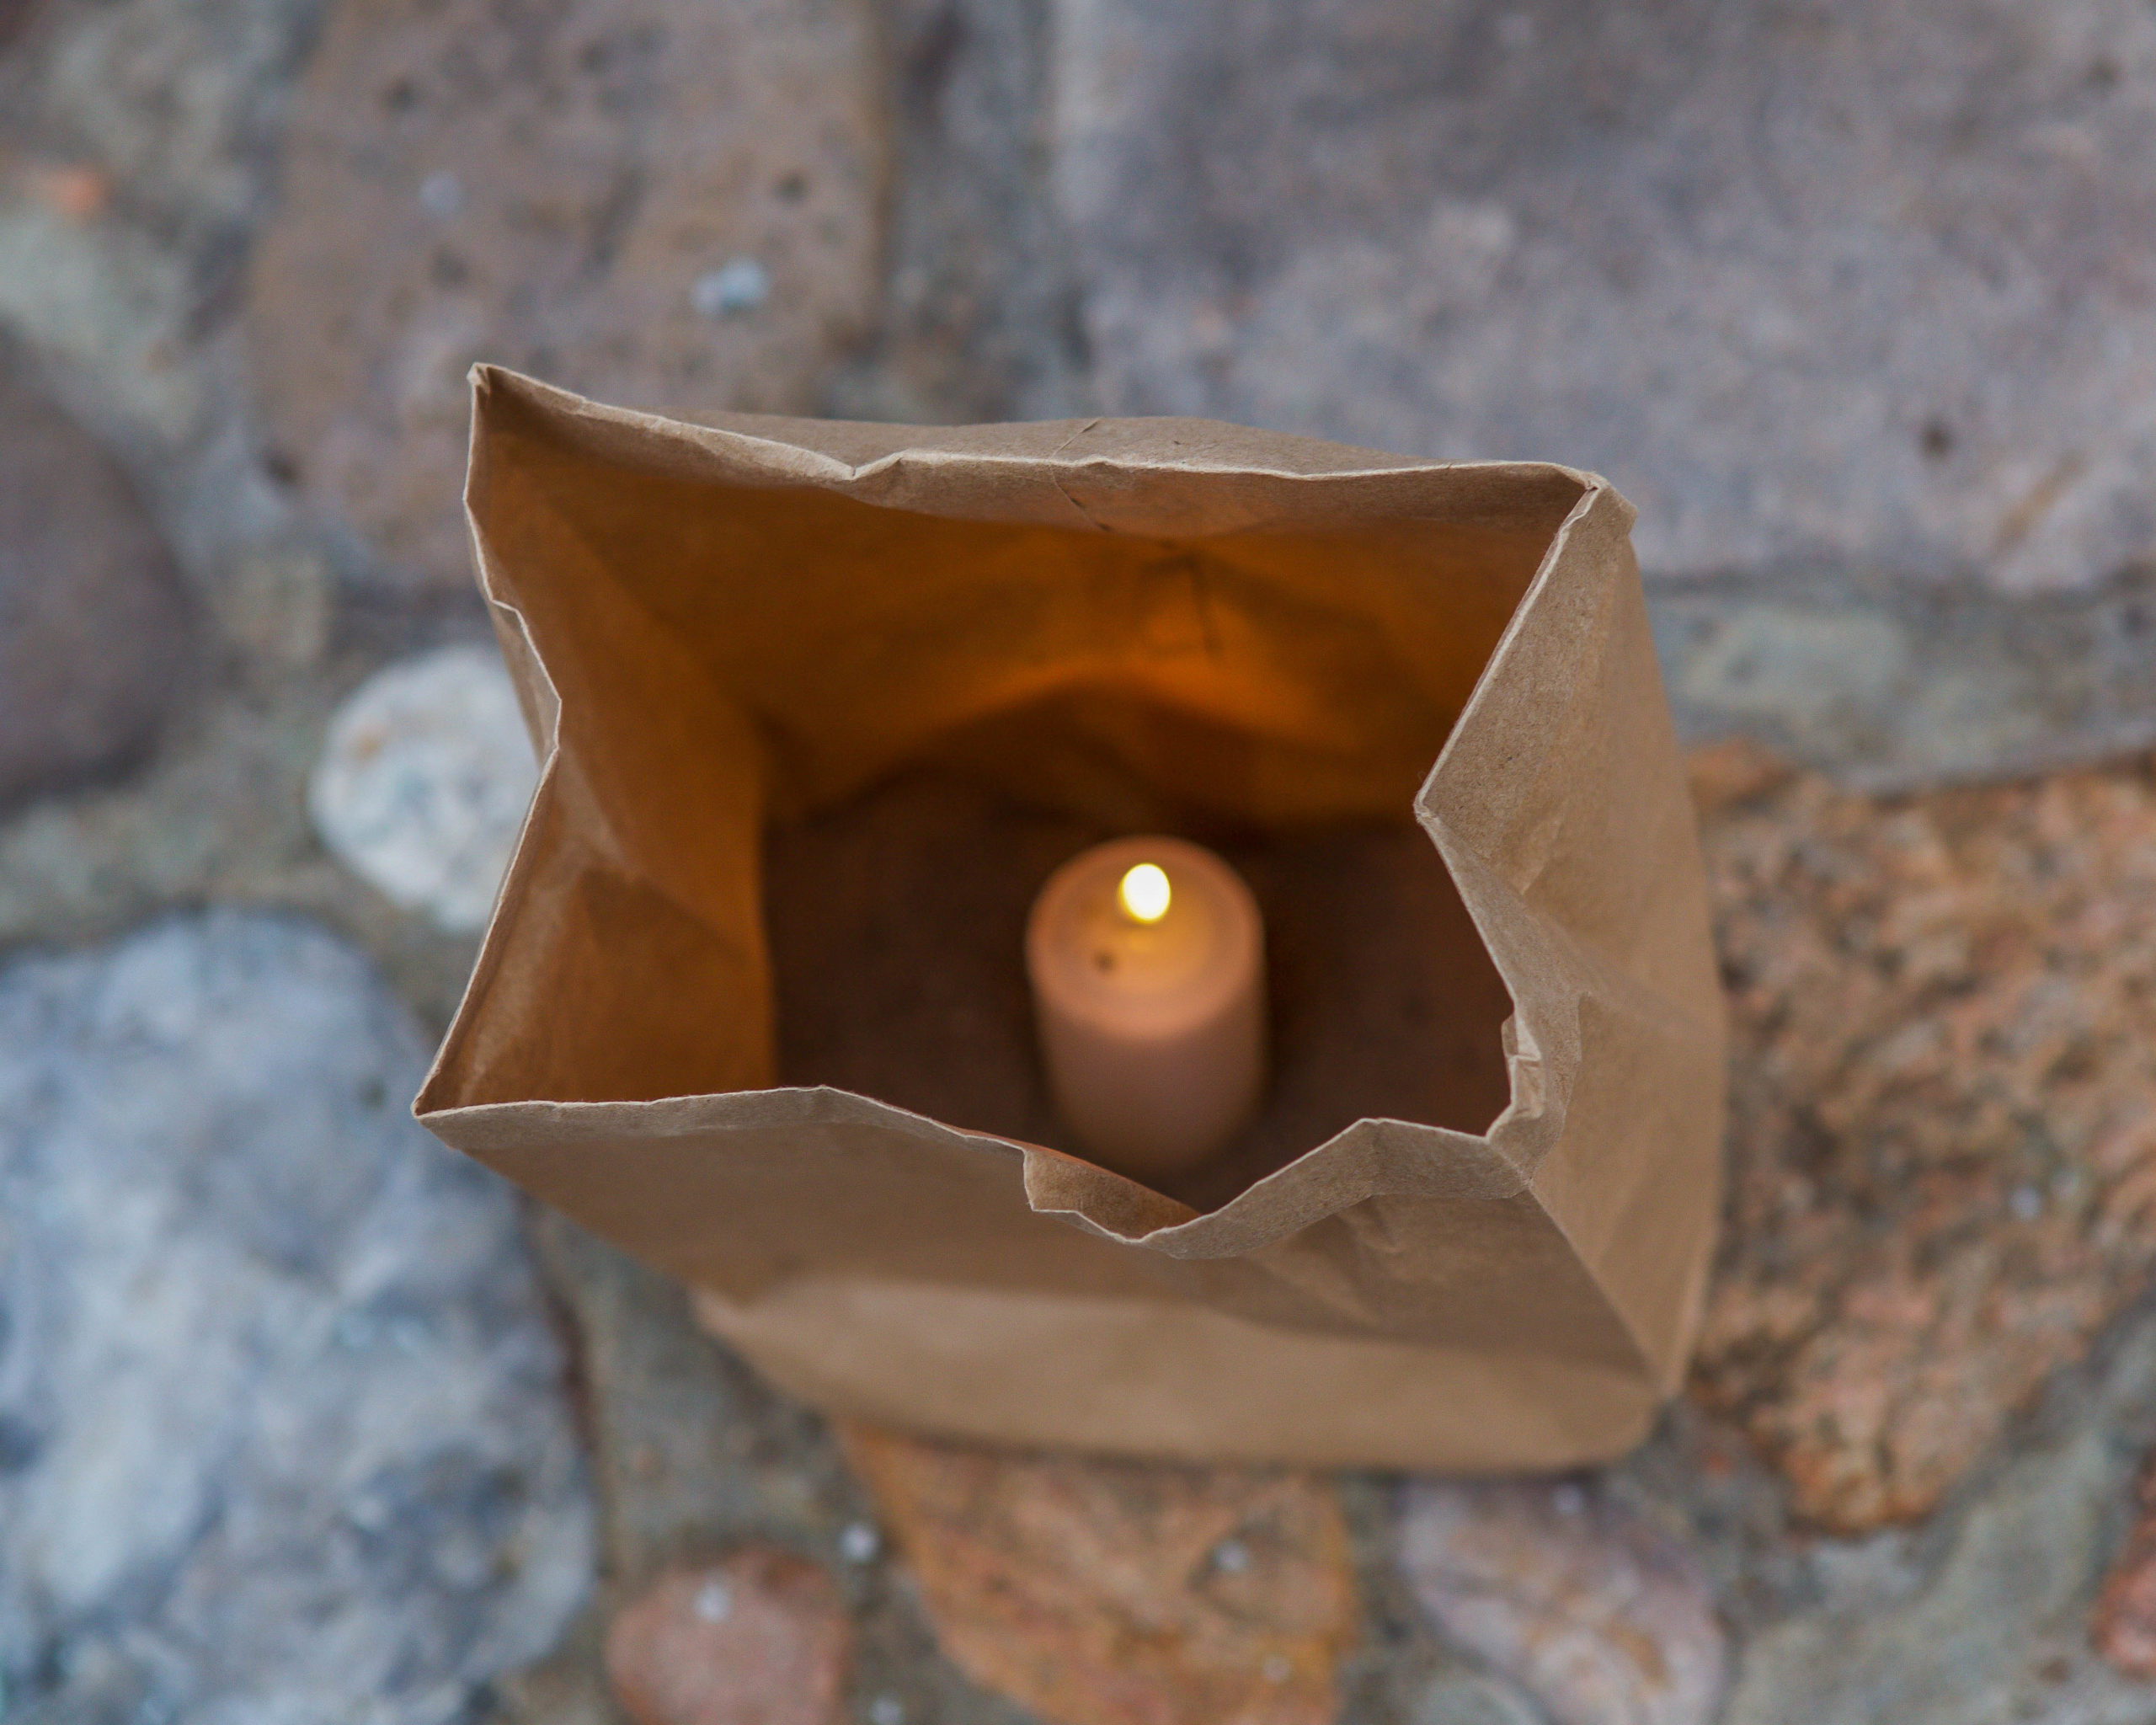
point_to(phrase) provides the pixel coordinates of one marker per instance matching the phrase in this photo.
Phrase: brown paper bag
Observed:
(821, 704)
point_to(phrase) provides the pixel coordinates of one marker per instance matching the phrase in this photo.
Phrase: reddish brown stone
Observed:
(1944, 1127)
(79, 191)
(1119, 1593)
(762, 1638)
(2123, 1628)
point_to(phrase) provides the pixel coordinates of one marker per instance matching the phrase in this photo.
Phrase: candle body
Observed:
(1152, 1033)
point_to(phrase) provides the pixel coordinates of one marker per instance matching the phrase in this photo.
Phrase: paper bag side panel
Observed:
(771, 1187)
(634, 903)
(1132, 1377)
(1563, 772)
(1560, 803)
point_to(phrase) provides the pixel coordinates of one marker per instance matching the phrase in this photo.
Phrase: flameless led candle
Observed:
(1147, 960)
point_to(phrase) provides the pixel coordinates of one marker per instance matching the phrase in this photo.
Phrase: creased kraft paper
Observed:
(718, 628)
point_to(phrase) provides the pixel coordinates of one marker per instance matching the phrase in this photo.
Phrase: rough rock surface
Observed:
(1118, 1593)
(1945, 1111)
(93, 621)
(1889, 685)
(1599, 1615)
(1856, 299)
(283, 1431)
(1989, 1625)
(977, 321)
(136, 144)
(762, 1638)
(674, 208)
(1815, 286)
(1468, 1698)
(2123, 1629)
(425, 778)
(694, 1455)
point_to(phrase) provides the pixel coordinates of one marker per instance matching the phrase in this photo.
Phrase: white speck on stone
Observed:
(887, 1710)
(859, 1542)
(423, 781)
(714, 1601)
(741, 285)
(1231, 1557)
(1275, 1668)
(442, 194)
(2026, 1203)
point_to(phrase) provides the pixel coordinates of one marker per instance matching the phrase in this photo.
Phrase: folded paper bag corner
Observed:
(725, 629)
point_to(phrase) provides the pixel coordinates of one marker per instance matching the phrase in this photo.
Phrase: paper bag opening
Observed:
(883, 726)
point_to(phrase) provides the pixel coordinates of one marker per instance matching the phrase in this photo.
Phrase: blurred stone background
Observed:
(301, 1418)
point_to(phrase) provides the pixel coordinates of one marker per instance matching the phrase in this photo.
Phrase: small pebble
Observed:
(739, 286)
(422, 784)
(2027, 1203)
(859, 1542)
(887, 1710)
(762, 1637)
(1231, 1557)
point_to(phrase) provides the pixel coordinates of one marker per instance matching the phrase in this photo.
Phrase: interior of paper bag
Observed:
(896, 921)
(819, 754)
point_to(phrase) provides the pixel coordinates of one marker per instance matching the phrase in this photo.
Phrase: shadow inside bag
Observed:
(897, 921)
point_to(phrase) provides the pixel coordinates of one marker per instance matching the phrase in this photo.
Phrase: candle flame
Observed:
(1144, 893)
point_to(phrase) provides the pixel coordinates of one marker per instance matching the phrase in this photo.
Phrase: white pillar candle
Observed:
(1147, 960)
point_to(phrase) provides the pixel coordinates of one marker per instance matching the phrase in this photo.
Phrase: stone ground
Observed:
(1857, 305)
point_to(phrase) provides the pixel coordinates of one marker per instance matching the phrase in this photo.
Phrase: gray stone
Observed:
(94, 627)
(693, 1454)
(140, 138)
(286, 1433)
(582, 192)
(424, 780)
(1466, 1698)
(696, 1457)
(1890, 685)
(1998, 1630)
(1816, 286)
(1591, 1608)
(979, 319)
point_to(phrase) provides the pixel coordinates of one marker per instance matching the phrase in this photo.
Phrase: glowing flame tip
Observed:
(1144, 893)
